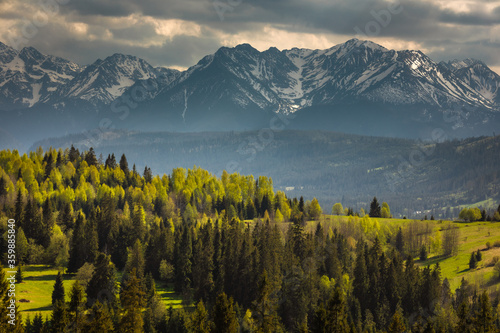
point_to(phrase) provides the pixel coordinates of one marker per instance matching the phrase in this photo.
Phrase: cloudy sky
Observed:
(177, 33)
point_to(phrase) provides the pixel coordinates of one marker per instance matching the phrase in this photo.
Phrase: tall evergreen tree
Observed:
(375, 210)
(200, 322)
(101, 321)
(124, 164)
(397, 325)
(19, 209)
(183, 260)
(76, 306)
(225, 320)
(59, 319)
(483, 319)
(90, 158)
(58, 291)
(131, 298)
(102, 285)
(78, 246)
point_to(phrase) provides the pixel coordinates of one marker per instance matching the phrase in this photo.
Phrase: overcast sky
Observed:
(178, 33)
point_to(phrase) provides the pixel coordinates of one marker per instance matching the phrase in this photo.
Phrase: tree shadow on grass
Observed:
(42, 308)
(51, 277)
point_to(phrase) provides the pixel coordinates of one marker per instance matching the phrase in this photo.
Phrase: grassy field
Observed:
(34, 294)
(473, 237)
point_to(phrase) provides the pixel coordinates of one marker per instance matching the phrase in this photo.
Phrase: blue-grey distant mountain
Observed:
(357, 87)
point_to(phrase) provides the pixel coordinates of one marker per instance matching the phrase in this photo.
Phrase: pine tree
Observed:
(400, 241)
(131, 298)
(301, 204)
(225, 320)
(375, 210)
(74, 154)
(76, 306)
(3, 185)
(203, 266)
(397, 325)
(124, 164)
(49, 164)
(472, 261)
(19, 274)
(200, 323)
(37, 326)
(483, 319)
(78, 246)
(58, 292)
(336, 313)
(135, 262)
(102, 285)
(265, 307)
(101, 321)
(19, 209)
(59, 318)
(90, 157)
(479, 256)
(148, 175)
(47, 223)
(183, 266)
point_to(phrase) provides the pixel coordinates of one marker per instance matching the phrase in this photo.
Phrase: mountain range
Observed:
(357, 87)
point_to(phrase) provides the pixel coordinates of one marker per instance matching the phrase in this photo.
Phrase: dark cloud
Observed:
(442, 31)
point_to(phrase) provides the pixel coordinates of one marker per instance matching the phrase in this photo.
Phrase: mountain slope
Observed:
(357, 87)
(28, 76)
(105, 80)
(478, 76)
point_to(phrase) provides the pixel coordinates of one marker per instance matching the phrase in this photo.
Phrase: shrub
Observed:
(494, 261)
(497, 243)
(488, 245)
(496, 269)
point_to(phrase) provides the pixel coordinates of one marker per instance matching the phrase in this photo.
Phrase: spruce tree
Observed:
(90, 158)
(59, 318)
(375, 210)
(400, 241)
(78, 245)
(102, 285)
(19, 274)
(200, 323)
(3, 185)
(19, 209)
(483, 319)
(37, 326)
(58, 291)
(124, 165)
(336, 313)
(225, 320)
(101, 321)
(131, 299)
(397, 325)
(472, 261)
(76, 306)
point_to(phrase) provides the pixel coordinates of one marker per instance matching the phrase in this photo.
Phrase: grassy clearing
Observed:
(37, 289)
(473, 237)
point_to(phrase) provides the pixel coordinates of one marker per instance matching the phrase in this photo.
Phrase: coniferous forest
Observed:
(243, 257)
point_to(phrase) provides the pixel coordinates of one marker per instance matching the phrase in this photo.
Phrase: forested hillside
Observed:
(243, 255)
(413, 176)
